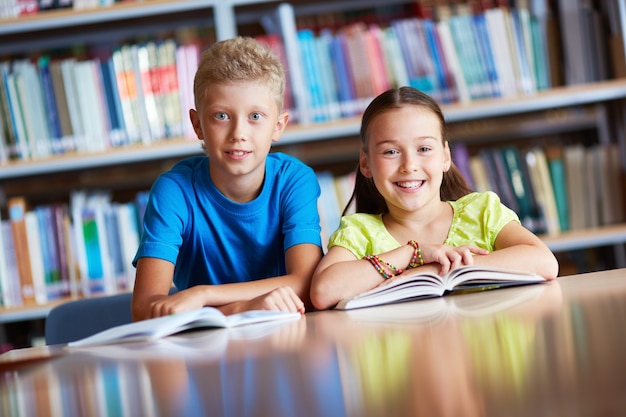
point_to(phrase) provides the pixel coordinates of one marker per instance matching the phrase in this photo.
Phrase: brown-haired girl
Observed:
(414, 209)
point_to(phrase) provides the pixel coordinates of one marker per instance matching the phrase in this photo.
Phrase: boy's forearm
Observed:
(225, 294)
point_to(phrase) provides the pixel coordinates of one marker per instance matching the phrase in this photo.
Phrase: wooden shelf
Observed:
(587, 238)
(63, 18)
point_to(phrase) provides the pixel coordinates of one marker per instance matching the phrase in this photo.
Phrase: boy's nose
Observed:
(239, 131)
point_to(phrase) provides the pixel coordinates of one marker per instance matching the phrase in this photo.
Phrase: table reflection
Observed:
(536, 350)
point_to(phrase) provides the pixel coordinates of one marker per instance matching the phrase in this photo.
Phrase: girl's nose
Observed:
(409, 164)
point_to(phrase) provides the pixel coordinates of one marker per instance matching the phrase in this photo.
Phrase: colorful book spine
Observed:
(17, 207)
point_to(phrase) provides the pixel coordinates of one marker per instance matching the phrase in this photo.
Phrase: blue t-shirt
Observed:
(213, 240)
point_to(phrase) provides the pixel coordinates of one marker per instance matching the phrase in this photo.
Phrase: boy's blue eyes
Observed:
(224, 116)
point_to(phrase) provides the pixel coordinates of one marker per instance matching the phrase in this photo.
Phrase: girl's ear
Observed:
(447, 157)
(363, 164)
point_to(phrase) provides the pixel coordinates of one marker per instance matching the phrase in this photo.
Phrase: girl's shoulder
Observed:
(476, 199)
(361, 220)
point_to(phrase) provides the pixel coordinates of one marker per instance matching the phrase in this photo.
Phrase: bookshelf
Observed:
(589, 106)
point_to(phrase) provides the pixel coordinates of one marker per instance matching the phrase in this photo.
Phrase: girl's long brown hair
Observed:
(366, 197)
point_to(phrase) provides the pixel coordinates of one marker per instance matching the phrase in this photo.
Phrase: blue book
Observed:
(50, 256)
(526, 73)
(444, 79)
(113, 104)
(345, 87)
(52, 114)
(95, 269)
(327, 74)
(114, 242)
(308, 54)
(486, 52)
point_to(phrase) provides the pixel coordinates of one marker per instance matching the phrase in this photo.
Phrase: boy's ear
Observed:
(281, 124)
(363, 164)
(195, 122)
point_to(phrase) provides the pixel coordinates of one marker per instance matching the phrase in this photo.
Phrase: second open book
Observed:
(423, 285)
(157, 328)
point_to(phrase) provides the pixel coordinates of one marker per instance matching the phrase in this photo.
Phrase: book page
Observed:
(475, 276)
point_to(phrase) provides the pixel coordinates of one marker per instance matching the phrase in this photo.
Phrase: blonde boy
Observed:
(237, 229)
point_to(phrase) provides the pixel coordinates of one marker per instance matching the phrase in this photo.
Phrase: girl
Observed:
(408, 191)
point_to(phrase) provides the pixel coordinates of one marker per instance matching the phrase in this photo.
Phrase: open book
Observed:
(156, 328)
(424, 285)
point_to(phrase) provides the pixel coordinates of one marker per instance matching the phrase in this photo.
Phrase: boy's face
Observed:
(238, 123)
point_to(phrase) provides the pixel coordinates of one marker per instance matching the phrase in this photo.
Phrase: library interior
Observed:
(94, 106)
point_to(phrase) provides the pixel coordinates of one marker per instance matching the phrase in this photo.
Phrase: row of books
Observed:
(552, 189)
(140, 93)
(457, 55)
(65, 250)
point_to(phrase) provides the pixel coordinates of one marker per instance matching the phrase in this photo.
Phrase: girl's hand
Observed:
(450, 257)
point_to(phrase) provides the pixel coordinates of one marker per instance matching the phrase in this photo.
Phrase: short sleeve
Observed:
(363, 234)
(478, 219)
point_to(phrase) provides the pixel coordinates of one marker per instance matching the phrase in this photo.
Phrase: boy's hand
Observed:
(186, 300)
(279, 299)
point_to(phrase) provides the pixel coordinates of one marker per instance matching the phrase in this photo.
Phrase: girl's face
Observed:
(406, 157)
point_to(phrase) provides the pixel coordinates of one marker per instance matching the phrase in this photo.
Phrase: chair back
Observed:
(77, 319)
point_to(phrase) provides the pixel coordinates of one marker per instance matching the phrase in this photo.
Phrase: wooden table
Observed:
(552, 349)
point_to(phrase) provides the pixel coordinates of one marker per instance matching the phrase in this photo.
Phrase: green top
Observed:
(477, 220)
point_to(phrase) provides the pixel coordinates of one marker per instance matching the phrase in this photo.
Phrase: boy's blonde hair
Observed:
(239, 59)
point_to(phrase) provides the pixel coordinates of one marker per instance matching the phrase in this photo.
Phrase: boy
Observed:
(237, 229)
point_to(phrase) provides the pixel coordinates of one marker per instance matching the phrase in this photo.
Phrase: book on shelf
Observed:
(283, 22)
(52, 117)
(446, 84)
(62, 106)
(593, 197)
(147, 66)
(15, 108)
(448, 52)
(574, 162)
(91, 102)
(312, 74)
(330, 94)
(156, 328)
(9, 288)
(518, 177)
(541, 184)
(462, 28)
(169, 88)
(36, 257)
(558, 177)
(18, 207)
(429, 284)
(496, 21)
(72, 92)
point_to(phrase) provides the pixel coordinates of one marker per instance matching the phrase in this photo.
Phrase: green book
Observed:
(557, 174)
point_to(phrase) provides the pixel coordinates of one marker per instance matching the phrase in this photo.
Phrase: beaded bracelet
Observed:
(378, 263)
(416, 259)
